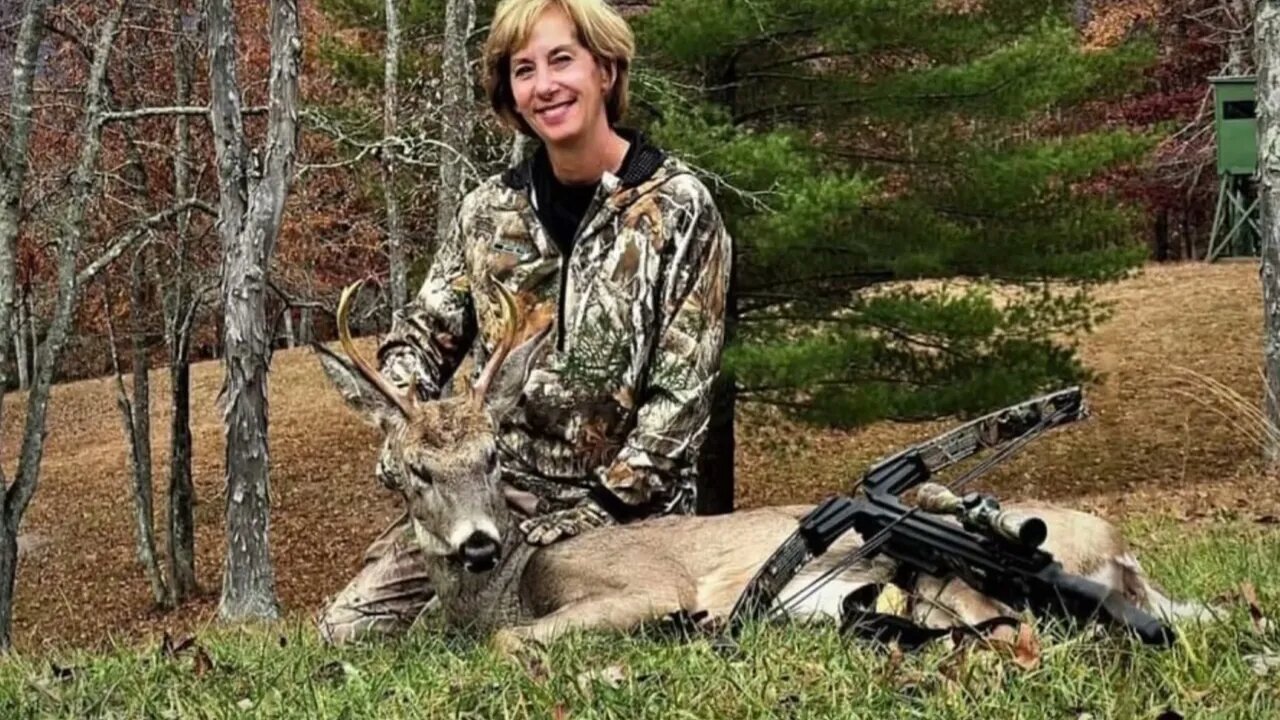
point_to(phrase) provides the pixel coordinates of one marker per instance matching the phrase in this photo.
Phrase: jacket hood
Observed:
(647, 160)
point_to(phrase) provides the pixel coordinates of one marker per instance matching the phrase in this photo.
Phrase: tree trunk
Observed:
(18, 495)
(1267, 27)
(13, 174)
(20, 345)
(289, 339)
(250, 209)
(136, 421)
(306, 328)
(8, 572)
(455, 111)
(142, 493)
(399, 267)
(716, 461)
(181, 519)
(179, 316)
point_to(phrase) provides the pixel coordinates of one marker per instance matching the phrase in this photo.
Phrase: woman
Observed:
(613, 244)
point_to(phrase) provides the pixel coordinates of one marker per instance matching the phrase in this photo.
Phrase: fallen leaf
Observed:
(245, 704)
(1026, 649)
(612, 675)
(203, 664)
(335, 670)
(1250, 595)
(1263, 664)
(894, 661)
(537, 670)
(171, 649)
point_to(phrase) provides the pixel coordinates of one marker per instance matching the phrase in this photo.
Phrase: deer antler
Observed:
(509, 328)
(349, 347)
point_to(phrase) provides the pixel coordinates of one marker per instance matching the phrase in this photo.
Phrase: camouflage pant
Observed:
(390, 591)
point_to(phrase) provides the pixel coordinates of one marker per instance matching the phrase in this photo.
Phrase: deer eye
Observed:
(421, 475)
(492, 463)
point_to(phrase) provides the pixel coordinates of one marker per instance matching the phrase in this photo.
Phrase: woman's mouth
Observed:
(556, 113)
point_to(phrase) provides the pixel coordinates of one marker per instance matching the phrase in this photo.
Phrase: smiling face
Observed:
(558, 86)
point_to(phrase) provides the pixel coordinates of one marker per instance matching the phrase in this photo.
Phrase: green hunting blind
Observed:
(1235, 219)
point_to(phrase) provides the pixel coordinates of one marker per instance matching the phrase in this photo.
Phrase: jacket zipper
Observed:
(565, 258)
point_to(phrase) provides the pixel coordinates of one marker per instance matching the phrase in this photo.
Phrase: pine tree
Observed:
(855, 147)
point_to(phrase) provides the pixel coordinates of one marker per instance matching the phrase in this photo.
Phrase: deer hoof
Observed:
(508, 643)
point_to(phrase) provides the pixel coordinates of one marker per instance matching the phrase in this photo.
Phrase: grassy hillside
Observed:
(1151, 448)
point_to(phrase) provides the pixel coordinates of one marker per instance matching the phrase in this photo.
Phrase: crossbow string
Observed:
(1006, 431)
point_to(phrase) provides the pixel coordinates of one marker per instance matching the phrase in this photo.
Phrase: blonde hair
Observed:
(601, 30)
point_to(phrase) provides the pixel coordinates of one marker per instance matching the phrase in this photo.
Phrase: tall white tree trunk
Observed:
(249, 215)
(396, 255)
(455, 111)
(1267, 33)
(13, 167)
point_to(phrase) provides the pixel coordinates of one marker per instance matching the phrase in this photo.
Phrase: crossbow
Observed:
(995, 551)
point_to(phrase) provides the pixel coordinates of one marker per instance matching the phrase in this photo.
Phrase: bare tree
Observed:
(180, 303)
(455, 113)
(1267, 29)
(18, 494)
(251, 202)
(399, 281)
(135, 415)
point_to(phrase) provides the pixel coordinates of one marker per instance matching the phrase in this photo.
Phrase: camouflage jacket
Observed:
(619, 396)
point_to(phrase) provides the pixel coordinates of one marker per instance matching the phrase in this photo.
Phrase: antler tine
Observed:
(509, 328)
(349, 347)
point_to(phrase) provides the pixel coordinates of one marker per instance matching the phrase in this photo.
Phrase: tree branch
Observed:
(122, 243)
(172, 110)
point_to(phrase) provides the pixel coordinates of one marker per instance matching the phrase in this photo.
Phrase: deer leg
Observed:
(622, 611)
(952, 602)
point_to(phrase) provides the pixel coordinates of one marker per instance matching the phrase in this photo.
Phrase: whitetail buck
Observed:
(618, 577)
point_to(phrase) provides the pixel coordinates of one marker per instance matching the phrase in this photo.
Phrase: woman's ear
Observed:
(608, 72)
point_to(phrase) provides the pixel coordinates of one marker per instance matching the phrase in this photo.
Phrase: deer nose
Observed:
(480, 552)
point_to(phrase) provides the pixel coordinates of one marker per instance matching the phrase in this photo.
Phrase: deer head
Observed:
(444, 450)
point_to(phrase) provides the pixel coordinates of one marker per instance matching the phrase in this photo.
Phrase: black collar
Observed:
(648, 158)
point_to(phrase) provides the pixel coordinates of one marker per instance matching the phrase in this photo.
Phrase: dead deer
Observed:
(619, 577)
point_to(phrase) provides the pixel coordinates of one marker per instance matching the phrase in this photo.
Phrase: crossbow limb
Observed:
(1014, 424)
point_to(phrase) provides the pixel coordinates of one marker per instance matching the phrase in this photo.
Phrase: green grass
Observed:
(785, 672)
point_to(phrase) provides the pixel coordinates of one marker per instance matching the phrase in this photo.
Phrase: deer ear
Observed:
(361, 395)
(504, 392)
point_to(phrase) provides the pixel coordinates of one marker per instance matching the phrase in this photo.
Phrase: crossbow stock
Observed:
(1003, 431)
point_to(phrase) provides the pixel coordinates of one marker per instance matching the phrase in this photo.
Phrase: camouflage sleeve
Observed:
(431, 335)
(657, 466)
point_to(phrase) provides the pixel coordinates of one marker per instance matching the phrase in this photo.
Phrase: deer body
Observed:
(619, 577)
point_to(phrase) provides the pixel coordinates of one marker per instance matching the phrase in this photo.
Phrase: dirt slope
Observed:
(1146, 447)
